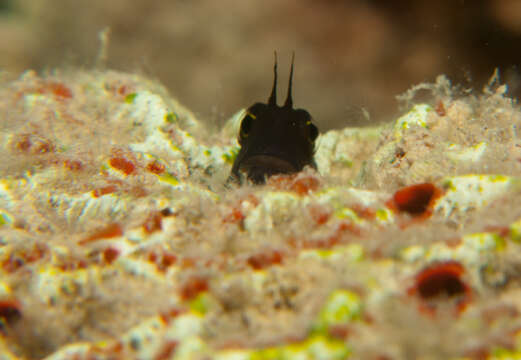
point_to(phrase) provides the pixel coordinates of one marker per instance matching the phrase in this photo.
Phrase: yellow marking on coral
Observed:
(347, 213)
(201, 304)
(515, 231)
(412, 253)
(169, 178)
(384, 215)
(484, 241)
(342, 307)
(315, 347)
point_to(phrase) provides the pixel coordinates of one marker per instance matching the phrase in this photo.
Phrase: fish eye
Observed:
(313, 131)
(246, 125)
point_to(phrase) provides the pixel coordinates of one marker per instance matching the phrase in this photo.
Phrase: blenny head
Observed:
(274, 139)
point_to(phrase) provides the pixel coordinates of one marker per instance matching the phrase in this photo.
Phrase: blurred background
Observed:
(217, 56)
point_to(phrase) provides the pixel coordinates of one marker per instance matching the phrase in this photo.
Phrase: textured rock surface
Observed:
(119, 240)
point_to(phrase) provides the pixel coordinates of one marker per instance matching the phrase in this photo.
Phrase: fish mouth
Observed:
(259, 166)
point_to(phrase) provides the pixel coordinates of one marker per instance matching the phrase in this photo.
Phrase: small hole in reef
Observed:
(441, 280)
(9, 312)
(439, 284)
(415, 199)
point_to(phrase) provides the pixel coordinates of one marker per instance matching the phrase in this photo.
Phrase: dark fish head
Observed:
(274, 139)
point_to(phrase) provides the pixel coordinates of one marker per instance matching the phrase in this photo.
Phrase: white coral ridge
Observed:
(472, 191)
(416, 116)
(471, 154)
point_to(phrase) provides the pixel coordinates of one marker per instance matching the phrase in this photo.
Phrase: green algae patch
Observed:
(229, 157)
(202, 303)
(5, 218)
(129, 99)
(171, 118)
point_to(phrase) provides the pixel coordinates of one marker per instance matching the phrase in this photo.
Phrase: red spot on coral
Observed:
(167, 350)
(21, 257)
(73, 165)
(167, 316)
(441, 281)
(24, 144)
(319, 213)
(104, 191)
(453, 242)
(415, 200)
(300, 183)
(363, 212)
(502, 231)
(44, 147)
(304, 185)
(187, 263)
(110, 231)
(34, 144)
(156, 167)
(235, 216)
(193, 287)
(110, 254)
(163, 259)
(13, 263)
(60, 90)
(122, 164)
(251, 198)
(152, 257)
(478, 353)
(115, 348)
(347, 226)
(166, 261)
(57, 89)
(263, 260)
(339, 331)
(124, 90)
(337, 236)
(36, 253)
(440, 108)
(72, 264)
(153, 223)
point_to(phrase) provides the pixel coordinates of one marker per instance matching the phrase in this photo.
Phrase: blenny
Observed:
(274, 139)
